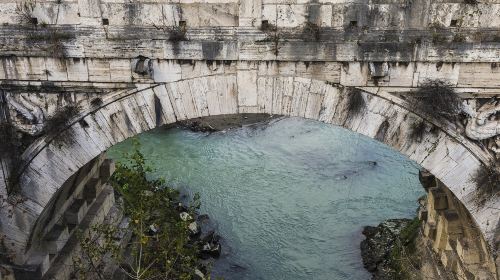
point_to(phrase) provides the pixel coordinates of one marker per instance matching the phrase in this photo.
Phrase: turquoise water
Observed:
(290, 198)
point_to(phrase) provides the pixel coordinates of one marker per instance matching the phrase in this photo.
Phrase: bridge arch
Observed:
(51, 161)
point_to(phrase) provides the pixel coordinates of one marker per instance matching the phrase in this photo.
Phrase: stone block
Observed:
(76, 212)
(41, 263)
(56, 239)
(77, 70)
(427, 179)
(166, 71)
(466, 252)
(247, 88)
(99, 70)
(91, 190)
(453, 224)
(438, 199)
(56, 69)
(430, 230)
(107, 169)
(422, 215)
(291, 15)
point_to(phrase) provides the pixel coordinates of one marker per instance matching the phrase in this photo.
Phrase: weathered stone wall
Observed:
(135, 66)
(452, 234)
(386, 117)
(287, 13)
(84, 200)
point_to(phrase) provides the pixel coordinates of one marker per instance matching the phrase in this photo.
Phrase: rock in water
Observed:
(378, 245)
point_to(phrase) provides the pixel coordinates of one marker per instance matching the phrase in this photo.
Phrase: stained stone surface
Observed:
(86, 52)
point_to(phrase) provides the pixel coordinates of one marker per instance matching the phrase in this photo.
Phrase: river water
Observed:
(290, 198)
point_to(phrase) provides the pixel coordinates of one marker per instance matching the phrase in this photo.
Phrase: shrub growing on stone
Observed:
(487, 179)
(438, 99)
(356, 101)
(58, 121)
(96, 102)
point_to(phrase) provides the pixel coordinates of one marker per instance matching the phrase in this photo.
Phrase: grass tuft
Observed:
(96, 102)
(356, 101)
(487, 179)
(58, 121)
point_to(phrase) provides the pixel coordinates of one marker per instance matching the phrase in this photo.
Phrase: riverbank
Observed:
(224, 122)
(442, 242)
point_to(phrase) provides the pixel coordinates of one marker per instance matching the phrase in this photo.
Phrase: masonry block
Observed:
(427, 179)
(56, 239)
(438, 199)
(76, 212)
(91, 190)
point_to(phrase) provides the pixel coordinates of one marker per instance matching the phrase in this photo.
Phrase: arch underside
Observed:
(123, 114)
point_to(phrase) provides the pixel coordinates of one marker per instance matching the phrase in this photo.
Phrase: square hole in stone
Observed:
(353, 23)
(453, 23)
(182, 23)
(34, 20)
(105, 21)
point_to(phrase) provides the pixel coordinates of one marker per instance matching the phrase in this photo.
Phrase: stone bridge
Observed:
(134, 66)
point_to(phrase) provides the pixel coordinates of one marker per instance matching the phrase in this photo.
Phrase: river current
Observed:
(289, 198)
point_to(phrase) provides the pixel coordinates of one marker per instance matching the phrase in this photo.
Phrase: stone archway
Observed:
(383, 116)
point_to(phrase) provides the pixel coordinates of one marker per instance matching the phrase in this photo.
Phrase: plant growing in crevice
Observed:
(24, 12)
(487, 179)
(355, 100)
(96, 102)
(437, 99)
(59, 120)
(51, 41)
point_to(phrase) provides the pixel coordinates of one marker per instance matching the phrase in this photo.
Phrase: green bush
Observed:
(161, 246)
